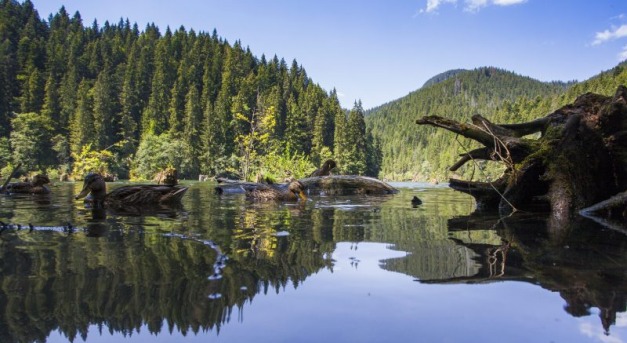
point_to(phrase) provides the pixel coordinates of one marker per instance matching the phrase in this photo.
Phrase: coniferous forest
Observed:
(121, 100)
(117, 99)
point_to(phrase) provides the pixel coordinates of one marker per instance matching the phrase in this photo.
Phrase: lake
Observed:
(220, 268)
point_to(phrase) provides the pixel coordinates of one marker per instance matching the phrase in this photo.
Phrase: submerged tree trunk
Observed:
(579, 160)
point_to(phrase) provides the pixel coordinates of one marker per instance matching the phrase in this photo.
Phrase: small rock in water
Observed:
(416, 201)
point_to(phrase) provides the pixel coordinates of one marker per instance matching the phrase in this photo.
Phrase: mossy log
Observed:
(323, 185)
(579, 160)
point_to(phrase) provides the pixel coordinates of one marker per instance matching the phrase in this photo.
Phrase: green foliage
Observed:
(31, 141)
(61, 147)
(254, 142)
(155, 153)
(88, 160)
(283, 166)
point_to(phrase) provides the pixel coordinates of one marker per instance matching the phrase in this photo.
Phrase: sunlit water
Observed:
(335, 269)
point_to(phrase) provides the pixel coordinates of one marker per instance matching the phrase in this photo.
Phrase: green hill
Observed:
(412, 152)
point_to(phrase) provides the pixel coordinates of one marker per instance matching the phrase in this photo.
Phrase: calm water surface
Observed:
(336, 269)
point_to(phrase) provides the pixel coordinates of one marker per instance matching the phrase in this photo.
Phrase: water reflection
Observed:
(61, 278)
(583, 262)
(194, 268)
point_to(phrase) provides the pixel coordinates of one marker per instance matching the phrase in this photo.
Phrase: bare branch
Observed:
(477, 154)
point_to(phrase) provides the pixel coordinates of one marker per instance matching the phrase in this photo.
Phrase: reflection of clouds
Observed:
(596, 331)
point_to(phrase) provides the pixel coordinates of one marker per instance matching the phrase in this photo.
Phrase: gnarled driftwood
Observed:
(579, 160)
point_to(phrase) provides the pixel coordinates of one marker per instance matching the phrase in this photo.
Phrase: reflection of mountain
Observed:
(583, 262)
(433, 261)
(431, 254)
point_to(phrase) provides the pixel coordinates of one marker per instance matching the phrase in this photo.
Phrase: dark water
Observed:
(344, 269)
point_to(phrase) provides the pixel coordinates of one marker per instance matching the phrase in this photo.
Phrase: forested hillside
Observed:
(111, 98)
(412, 152)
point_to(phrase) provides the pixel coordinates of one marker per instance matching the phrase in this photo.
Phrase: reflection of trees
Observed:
(277, 244)
(583, 262)
(158, 273)
(130, 278)
(53, 282)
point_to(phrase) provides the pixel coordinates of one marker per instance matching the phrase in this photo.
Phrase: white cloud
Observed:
(470, 5)
(607, 35)
(475, 5)
(433, 5)
(508, 2)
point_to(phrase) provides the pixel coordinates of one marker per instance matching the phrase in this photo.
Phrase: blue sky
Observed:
(379, 51)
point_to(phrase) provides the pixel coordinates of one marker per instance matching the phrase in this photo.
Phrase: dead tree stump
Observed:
(579, 160)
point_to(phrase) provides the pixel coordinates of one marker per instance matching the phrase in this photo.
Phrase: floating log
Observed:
(322, 185)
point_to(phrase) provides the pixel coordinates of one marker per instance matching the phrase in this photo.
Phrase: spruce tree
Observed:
(130, 103)
(355, 162)
(191, 133)
(106, 109)
(32, 95)
(340, 144)
(82, 130)
(155, 118)
(52, 104)
(8, 67)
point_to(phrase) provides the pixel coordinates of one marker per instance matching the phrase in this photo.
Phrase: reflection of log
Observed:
(327, 185)
(580, 160)
(611, 212)
(585, 268)
(228, 186)
(487, 194)
(615, 207)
